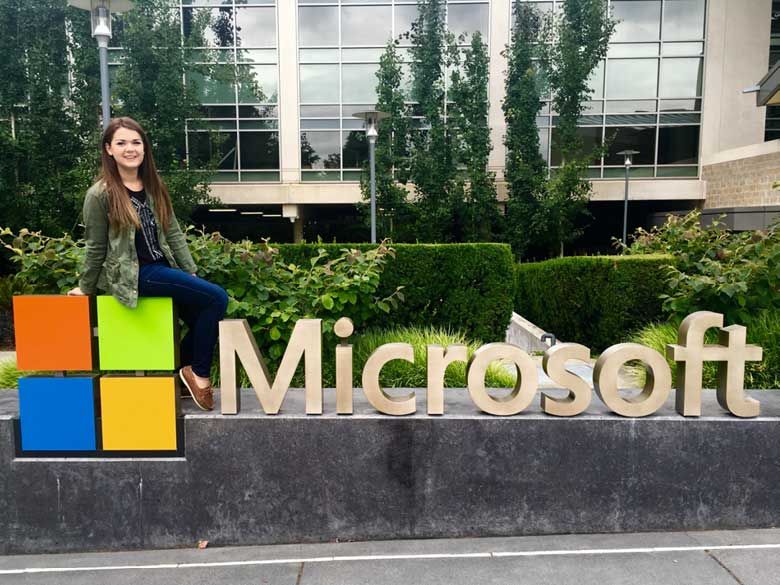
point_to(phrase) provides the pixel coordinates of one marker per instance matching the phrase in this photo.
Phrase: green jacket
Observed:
(111, 262)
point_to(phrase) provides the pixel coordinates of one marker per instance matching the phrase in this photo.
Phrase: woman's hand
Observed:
(75, 292)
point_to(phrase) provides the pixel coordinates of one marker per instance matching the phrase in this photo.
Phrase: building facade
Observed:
(671, 87)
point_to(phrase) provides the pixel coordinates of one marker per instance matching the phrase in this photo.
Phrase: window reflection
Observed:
(405, 15)
(678, 145)
(596, 81)
(256, 27)
(639, 20)
(215, 89)
(319, 83)
(259, 150)
(366, 25)
(320, 150)
(683, 20)
(468, 19)
(680, 78)
(632, 78)
(355, 149)
(218, 33)
(591, 139)
(631, 138)
(318, 25)
(219, 146)
(359, 83)
(257, 83)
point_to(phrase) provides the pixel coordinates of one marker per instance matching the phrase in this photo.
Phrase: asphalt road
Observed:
(747, 557)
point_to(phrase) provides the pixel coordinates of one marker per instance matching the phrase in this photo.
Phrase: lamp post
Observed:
(100, 13)
(371, 118)
(627, 161)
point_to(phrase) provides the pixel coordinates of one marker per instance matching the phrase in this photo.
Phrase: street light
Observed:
(627, 161)
(100, 13)
(371, 118)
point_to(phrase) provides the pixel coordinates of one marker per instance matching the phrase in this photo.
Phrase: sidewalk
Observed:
(746, 557)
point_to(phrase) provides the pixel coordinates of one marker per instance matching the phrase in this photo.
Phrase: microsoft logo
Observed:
(110, 383)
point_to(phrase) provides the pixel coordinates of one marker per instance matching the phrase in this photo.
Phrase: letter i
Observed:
(343, 329)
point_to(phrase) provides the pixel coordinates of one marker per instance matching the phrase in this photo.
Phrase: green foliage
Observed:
(44, 265)
(479, 215)
(149, 88)
(734, 273)
(763, 329)
(395, 214)
(526, 170)
(577, 40)
(467, 287)
(593, 300)
(432, 165)
(402, 374)
(9, 375)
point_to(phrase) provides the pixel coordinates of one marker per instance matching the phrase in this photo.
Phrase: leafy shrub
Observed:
(763, 329)
(734, 273)
(9, 375)
(593, 300)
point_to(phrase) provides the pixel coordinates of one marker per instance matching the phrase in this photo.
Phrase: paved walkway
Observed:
(747, 557)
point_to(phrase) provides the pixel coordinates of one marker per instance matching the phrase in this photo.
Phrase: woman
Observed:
(136, 248)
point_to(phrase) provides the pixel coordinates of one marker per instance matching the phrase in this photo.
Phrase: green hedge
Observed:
(594, 300)
(468, 287)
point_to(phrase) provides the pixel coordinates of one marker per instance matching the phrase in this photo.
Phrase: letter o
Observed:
(525, 387)
(658, 383)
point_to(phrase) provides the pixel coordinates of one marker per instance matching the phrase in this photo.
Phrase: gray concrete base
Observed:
(257, 479)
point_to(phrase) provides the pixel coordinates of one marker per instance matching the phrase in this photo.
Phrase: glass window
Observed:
(681, 106)
(405, 15)
(320, 111)
(683, 20)
(256, 55)
(638, 20)
(320, 150)
(366, 25)
(319, 83)
(259, 150)
(358, 83)
(355, 149)
(467, 19)
(257, 83)
(218, 33)
(318, 124)
(256, 27)
(633, 50)
(632, 78)
(632, 107)
(218, 111)
(257, 112)
(591, 139)
(631, 138)
(682, 49)
(544, 143)
(678, 145)
(319, 55)
(680, 78)
(370, 55)
(215, 89)
(318, 26)
(596, 81)
(205, 146)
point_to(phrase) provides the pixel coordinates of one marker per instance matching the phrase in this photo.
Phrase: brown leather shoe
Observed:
(203, 397)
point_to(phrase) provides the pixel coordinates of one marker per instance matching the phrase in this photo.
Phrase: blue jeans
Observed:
(201, 306)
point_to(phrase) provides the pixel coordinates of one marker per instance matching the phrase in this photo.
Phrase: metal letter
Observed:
(525, 386)
(438, 360)
(376, 395)
(690, 354)
(236, 340)
(658, 383)
(580, 394)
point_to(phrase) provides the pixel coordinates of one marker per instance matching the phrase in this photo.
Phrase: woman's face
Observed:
(127, 148)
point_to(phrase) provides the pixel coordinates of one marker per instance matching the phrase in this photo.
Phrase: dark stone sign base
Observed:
(255, 479)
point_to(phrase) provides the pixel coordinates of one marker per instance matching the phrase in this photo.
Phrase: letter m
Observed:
(236, 341)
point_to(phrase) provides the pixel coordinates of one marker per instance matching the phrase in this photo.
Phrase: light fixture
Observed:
(371, 119)
(221, 210)
(627, 162)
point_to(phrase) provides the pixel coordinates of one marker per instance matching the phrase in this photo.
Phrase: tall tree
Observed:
(468, 121)
(432, 168)
(395, 214)
(526, 170)
(149, 88)
(577, 41)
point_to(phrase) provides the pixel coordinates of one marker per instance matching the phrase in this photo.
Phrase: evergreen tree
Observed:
(526, 170)
(149, 88)
(432, 168)
(577, 41)
(468, 121)
(395, 214)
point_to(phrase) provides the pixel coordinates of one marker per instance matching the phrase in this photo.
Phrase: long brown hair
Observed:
(121, 213)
